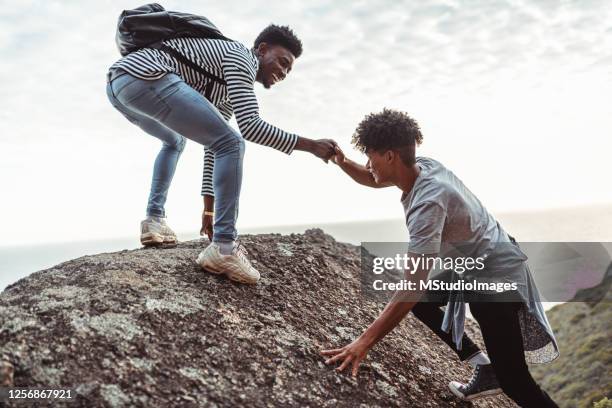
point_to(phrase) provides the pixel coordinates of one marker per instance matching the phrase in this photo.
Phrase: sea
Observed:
(592, 223)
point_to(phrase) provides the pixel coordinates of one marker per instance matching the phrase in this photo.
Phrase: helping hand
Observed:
(338, 157)
(323, 149)
(353, 353)
(207, 226)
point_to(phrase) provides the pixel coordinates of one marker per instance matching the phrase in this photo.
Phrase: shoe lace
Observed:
(242, 253)
(474, 378)
(168, 231)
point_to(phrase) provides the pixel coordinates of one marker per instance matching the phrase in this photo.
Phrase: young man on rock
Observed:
(440, 210)
(163, 91)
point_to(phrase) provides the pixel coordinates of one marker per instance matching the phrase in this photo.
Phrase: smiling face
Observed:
(380, 165)
(275, 62)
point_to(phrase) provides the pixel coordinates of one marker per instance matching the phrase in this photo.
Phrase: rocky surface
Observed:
(148, 328)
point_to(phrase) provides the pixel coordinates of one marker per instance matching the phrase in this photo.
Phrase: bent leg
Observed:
(173, 145)
(431, 315)
(501, 332)
(173, 103)
(163, 173)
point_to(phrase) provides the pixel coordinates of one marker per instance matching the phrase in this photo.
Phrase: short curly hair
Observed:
(388, 130)
(280, 35)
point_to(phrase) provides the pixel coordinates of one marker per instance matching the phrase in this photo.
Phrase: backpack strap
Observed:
(163, 47)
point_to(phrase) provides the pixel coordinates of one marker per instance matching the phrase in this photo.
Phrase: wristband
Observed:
(211, 213)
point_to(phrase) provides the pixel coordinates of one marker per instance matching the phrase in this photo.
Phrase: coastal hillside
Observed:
(148, 328)
(582, 375)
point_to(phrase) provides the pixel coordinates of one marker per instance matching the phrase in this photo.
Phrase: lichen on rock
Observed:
(148, 327)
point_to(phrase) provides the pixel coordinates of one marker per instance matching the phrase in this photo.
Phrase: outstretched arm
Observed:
(356, 171)
(395, 311)
(240, 75)
(425, 224)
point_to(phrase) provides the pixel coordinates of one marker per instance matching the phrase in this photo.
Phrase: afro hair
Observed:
(386, 130)
(280, 35)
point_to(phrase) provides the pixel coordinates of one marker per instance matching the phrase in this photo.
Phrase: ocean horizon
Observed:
(593, 223)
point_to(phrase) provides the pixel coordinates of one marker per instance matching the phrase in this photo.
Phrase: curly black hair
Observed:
(280, 35)
(388, 130)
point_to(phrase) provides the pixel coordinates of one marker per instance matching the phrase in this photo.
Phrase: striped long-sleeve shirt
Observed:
(229, 60)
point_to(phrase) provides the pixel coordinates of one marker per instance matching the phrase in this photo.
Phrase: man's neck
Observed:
(406, 177)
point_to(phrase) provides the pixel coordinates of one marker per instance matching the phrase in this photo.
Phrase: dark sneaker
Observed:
(482, 384)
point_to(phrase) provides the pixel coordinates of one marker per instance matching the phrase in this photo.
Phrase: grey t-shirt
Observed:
(440, 208)
(444, 217)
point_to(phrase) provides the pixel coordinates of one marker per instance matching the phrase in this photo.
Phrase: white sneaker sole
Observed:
(487, 393)
(151, 238)
(169, 239)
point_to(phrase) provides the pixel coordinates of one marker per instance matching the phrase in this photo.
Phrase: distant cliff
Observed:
(148, 328)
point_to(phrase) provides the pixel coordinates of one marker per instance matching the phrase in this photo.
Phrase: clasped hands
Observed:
(324, 149)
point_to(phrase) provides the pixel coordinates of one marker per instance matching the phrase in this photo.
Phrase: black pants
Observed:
(501, 331)
(431, 315)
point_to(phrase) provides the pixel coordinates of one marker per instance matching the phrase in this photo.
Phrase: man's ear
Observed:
(262, 48)
(390, 156)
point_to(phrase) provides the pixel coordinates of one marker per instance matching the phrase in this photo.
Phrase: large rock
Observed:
(148, 328)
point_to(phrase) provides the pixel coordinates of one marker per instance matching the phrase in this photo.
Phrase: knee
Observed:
(241, 144)
(178, 145)
(419, 310)
(235, 138)
(426, 310)
(230, 143)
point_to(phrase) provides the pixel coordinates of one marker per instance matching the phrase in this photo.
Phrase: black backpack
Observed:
(148, 25)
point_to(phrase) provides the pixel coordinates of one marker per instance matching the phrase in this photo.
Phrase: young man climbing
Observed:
(189, 88)
(440, 210)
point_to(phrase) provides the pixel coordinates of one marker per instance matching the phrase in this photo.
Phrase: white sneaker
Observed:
(153, 232)
(167, 233)
(236, 266)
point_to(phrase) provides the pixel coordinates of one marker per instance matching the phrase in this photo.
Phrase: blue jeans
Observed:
(171, 110)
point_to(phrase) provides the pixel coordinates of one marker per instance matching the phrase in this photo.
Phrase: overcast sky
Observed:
(513, 96)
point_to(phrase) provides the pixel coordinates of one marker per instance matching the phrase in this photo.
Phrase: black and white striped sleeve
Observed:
(207, 176)
(240, 74)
